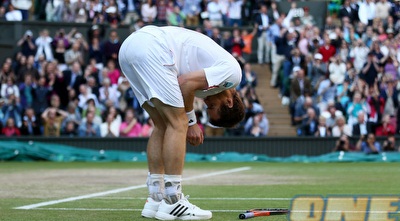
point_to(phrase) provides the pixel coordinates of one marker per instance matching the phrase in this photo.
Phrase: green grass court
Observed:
(225, 188)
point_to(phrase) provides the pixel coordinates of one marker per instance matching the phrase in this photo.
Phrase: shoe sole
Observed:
(148, 213)
(166, 216)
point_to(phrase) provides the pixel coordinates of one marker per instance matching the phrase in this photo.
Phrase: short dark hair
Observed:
(230, 117)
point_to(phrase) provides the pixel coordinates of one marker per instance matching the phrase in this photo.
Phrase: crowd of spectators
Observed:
(341, 79)
(69, 83)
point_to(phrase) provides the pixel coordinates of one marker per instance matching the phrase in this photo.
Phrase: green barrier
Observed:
(36, 151)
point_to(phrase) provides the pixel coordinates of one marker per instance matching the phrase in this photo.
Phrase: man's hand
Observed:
(195, 135)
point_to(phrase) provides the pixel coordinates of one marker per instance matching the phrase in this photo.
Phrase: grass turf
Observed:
(226, 199)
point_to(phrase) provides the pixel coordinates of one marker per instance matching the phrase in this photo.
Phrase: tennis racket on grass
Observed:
(262, 212)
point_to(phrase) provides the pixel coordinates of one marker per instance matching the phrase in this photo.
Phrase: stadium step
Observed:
(277, 114)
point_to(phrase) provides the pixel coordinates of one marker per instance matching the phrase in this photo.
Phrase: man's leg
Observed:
(155, 179)
(260, 49)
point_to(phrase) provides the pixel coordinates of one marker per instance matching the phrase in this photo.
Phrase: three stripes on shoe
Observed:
(179, 210)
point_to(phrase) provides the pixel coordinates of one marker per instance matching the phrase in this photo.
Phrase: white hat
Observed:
(29, 33)
(318, 56)
(296, 69)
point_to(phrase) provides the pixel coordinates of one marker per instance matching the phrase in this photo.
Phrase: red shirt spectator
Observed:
(327, 50)
(385, 129)
(10, 129)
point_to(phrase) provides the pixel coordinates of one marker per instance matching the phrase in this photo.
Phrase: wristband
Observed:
(191, 118)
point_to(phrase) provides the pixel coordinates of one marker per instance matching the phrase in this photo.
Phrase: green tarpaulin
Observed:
(32, 151)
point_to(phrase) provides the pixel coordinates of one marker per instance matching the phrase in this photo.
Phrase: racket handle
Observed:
(246, 215)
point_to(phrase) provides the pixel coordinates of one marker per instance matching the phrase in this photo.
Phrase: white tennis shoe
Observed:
(150, 208)
(181, 210)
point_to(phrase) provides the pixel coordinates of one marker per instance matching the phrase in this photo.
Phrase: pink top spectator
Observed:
(136, 130)
(114, 75)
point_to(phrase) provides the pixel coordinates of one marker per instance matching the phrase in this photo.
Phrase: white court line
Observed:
(194, 198)
(33, 206)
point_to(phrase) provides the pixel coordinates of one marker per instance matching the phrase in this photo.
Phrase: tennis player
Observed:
(167, 67)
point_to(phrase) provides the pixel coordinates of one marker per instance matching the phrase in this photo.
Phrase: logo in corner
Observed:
(345, 208)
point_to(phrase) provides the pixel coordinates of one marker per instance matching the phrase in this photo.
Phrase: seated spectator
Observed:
(73, 76)
(147, 128)
(257, 125)
(73, 114)
(390, 144)
(341, 128)
(85, 95)
(9, 129)
(109, 92)
(149, 11)
(10, 88)
(111, 47)
(249, 78)
(177, 17)
(385, 128)
(13, 14)
(74, 54)
(362, 127)
(89, 128)
(337, 70)
(131, 127)
(317, 71)
(323, 130)
(52, 120)
(343, 144)
(30, 126)
(109, 128)
(368, 144)
(113, 72)
(300, 112)
(309, 125)
(69, 129)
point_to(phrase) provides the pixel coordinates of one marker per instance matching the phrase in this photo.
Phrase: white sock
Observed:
(155, 184)
(173, 188)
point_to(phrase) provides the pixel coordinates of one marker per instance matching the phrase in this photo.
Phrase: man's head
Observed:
(225, 109)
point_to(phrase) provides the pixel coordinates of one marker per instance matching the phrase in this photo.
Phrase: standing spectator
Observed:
(96, 53)
(214, 10)
(162, 11)
(366, 12)
(12, 109)
(382, 9)
(26, 91)
(347, 11)
(326, 92)
(85, 95)
(369, 73)
(359, 53)
(59, 55)
(149, 12)
(52, 120)
(248, 43)
(368, 144)
(327, 50)
(26, 43)
(111, 47)
(130, 13)
(10, 130)
(89, 128)
(30, 126)
(264, 44)
(43, 44)
(300, 87)
(40, 94)
(13, 14)
(317, 71)
(337, 70)
(177, 17)
(192, 9)
(235, 43)
(131, 127)
(8, 88)
(234, 13)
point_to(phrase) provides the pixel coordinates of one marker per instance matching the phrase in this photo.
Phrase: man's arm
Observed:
(188, 84)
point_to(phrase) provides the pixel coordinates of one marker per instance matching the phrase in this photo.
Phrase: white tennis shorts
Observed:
(149, 66)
